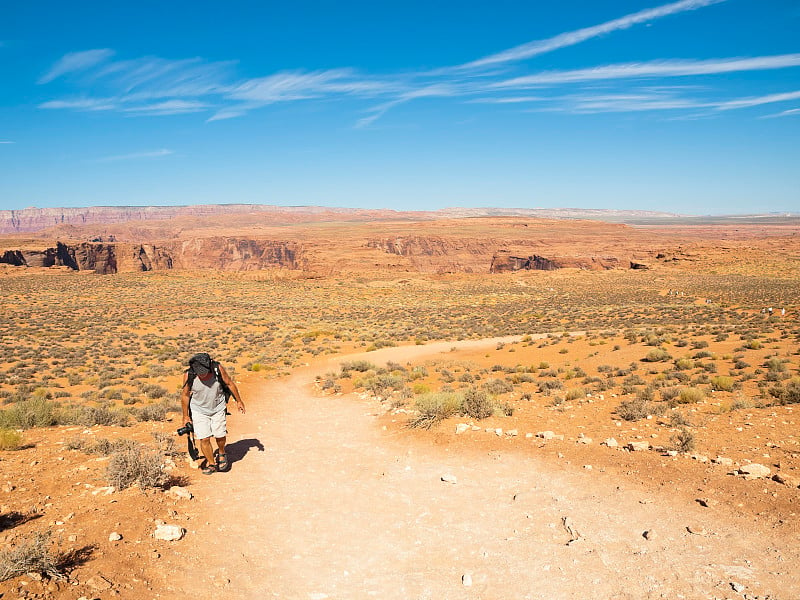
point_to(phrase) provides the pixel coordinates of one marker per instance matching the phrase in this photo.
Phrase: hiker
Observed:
(204, 396)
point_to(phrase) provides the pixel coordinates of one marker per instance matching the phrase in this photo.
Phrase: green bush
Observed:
(690, 395)
(722, 383)
(657, 355)
(638, 408)
(35, 412)
(10, 439)
(434, 407)
(496, 387)
(476, 404)
(683, 441)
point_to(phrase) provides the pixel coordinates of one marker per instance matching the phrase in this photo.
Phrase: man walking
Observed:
(206, 387)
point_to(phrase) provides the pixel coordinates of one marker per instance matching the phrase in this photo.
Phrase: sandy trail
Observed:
(334, 507)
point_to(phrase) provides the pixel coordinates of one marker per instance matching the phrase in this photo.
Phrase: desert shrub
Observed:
(151, 412)
(547, 386)
(98, 415)
(154, 391)
(106, 447)
(420, 388)
(657, 355)
(381, 386)
(669, 393)
(775, 364)
(740, 404)
(789, 394)
(33, 554)
(683, 441)
(435, 407)
(136, 466)
(575, 394)
(35, 412)
(684, 364)
(476, 403)
(10, 439)
(638, 408)
(722, 383)
(690, 395)
(677, 419)
(497, 386)
(360, 366)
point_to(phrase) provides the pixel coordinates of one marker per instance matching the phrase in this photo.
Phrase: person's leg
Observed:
(220, 432)
(203, 432)
(207, 450)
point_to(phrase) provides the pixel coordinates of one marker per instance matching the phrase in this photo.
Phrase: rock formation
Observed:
(504, 261)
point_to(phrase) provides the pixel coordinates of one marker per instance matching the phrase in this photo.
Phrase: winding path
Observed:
(333, 507)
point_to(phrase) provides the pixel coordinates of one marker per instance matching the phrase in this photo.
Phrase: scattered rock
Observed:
(114, 537)
(179, 493)
(707, 502)
(737, 587)
(466, 580)
(99, 583)
(9, 487)
(649, 534)
(787, 480)
(169, 533)
(721, 460)
(611, 443)
(754, 471)
(696, 530)
(449, 478)
(700, 458)
(638, 446)
(512, 433)
(585, 440)
(461, 428)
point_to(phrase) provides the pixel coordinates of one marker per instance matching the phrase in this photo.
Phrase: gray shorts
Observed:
(205, 426)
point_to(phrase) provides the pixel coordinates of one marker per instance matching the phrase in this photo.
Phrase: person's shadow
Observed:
(236, 451)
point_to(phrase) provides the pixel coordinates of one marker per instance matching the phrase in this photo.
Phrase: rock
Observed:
(707, 502)
(754, 471)
(169, 533)
(737, 587)
(696, 530)
(721, 460)
(786, 480)
(498, 432)
(179, 493)
(466, 580)
(649, 534)
(585, 440)
(114, 537)
(546, 435)
(611, 443)
(449, 478)
(99, 583)
(700, 458)
(9, 487)
(461, 428)
(512, 433)
(638, 446)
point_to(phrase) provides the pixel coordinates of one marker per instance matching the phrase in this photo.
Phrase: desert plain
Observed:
(432, 410)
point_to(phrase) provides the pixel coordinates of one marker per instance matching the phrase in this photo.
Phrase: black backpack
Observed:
(209, 363)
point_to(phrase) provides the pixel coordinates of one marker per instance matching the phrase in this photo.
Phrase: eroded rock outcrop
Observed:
(504, 261)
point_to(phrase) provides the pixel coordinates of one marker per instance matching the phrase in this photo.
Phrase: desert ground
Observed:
(413, 433)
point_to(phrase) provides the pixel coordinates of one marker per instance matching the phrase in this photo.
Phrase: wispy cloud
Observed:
(76, 61)
(135, 156)
(6, 142)
(563, 40)
(758, 101)
(155, 86)
(652, 69)
(792, 112)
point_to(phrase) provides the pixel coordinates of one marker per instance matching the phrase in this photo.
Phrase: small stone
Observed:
(461, 428)
(546, 435)
(169, 533)
(179, 493)
(466, 580)
(737, 587)
(611, 443)
(114, 537)
(585, 440)
(754, 471)
(512, 433)
(786, 480)
(99, 583)
(587, 467)
(638, 446)
(700, 458)
(649, 534)
(498, 432)
(9, 487)
(449, 478)
(695, 530)
(721, 460)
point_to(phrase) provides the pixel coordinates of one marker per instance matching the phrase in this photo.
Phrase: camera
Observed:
(186, 429)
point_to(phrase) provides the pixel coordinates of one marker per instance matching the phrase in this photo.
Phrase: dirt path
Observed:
(322, 503)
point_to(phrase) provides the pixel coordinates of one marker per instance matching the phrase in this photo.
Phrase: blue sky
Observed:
(690, 106)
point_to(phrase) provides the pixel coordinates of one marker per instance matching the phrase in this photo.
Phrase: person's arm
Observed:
(185, 395)
(228, 380)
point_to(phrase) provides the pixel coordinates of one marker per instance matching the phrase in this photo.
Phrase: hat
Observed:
(200, 364)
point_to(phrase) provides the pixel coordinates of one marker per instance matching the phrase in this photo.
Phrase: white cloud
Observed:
(136, 155)
(7, 142)
(786, 113)
(571, 38)
(759, 100)
(90, 104)
(663, 68)
(168, 107)
(76, 61)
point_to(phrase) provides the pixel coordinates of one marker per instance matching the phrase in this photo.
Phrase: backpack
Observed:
(204, 359)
